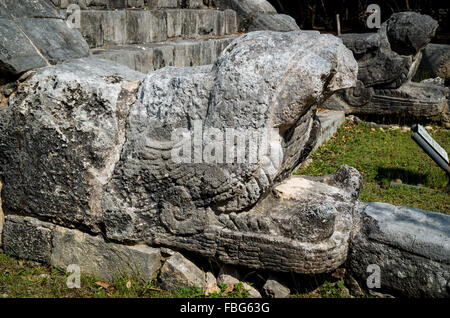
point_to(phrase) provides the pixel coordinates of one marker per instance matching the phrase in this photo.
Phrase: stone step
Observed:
(152, 56)
(125, 27)
(122, 4)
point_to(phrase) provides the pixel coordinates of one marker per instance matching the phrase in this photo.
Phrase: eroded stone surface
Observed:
(73, 120)
(28, 238)
(256, 15)
(435, 62)
(33, 35)
(108, 261)
(97, 152)
(388, 60)
(178, 272)
(410, 246)
(274, 289)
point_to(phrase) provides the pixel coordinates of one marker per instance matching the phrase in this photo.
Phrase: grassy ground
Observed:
(27, 279)
(384, 156)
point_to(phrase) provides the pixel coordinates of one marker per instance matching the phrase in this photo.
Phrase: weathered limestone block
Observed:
(411, 247)
(275, 22)
(330, 121)
(254, 15)
(30, 9)
(28, 238)
(103, 28)
(191, 4)
(106, 260)
(54, 39)
(33, 35)
(102, 4)
(101, 149)
(435, 62)
(73, 121)
(179, 272)
(387, 61)
(274, 289)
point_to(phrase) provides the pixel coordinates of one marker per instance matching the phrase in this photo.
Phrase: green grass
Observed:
(326, 290)
(27, 279)
(383, 156)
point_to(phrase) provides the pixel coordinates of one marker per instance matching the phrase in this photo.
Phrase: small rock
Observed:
(274, 289)
(230, 280)
(252, 292)
(395, 127)
(178, 272)
(43, 276)
(428, 128)
(398, 181)
(5, 295)
(210, 284)
(227, 279)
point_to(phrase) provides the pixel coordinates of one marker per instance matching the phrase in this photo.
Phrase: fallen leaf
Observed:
(128, 284)
(102, 284)
(228, 290)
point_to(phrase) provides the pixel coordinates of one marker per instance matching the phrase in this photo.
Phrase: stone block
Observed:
(17, 54)
(160, 4)
(54, 39)
(190, 26)
(31, 9)
(231, 22)
(105, 260)
(411, 247)
(179, 272)
(175, 20)
(28, 238)
(162, 56)
(330, 121)
(274, 289)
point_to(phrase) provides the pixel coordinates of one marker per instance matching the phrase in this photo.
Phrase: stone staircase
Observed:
(148, 35)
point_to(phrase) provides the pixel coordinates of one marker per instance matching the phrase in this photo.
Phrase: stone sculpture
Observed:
(435, 62)
(89, 145)
(387, 61)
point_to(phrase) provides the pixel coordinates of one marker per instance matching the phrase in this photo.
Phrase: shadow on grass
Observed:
(407, 176)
